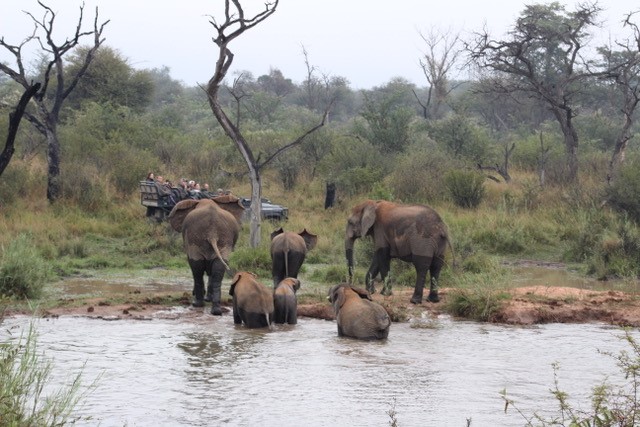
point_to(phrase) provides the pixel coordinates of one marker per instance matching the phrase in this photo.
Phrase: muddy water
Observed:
(207, 371)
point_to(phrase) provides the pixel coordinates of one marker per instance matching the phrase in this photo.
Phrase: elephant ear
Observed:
(368, 217)
(336, 297)
(277, 232)
(231, 204)
(180, 211)
(296, 285)
(310, 239)
(234, 281)
(362, 293)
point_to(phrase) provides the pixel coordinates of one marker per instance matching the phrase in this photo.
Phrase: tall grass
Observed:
(24, 377)
(23, 271)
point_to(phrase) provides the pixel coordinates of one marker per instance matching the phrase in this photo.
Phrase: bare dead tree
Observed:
(502, 169)
(48, 106)
(238, 93)
(543, 158)
(441, 56)
(623, 68)
(232, 26)
(15, 118)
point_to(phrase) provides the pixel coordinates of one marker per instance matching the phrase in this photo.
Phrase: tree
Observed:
(388, 115)
(54, 79)
(14, 122)
(440, 57)
(234, 24)
(109, 79)
(622, 68)
(542, 58)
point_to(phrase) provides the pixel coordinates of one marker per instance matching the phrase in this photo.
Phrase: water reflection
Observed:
(176, 372)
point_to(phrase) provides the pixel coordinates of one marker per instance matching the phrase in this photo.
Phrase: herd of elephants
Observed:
(411, 233)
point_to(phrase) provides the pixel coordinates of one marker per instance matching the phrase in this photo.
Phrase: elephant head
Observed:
(359, 224)
(252, 301)
(310, 240)
(357, 315)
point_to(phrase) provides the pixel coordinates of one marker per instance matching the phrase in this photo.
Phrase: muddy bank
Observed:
(527, 306)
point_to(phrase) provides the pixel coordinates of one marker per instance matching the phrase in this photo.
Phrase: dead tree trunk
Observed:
(14, 122)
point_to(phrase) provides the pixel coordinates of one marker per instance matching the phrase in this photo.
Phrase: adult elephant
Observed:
(357, 315)
(210, 230)
(288, 251)
(252, 301)
(411, 233)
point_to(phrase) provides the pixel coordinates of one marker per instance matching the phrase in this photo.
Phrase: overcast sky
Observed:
(367, 41)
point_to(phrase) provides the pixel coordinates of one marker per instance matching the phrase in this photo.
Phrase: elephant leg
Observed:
(421, 264)
(384, 261)
(215, 284)
(371, 274)
(198, 268)
(434, 272)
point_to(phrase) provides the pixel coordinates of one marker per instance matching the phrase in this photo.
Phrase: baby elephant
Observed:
(357, 315)
(252, 301)
(285, 302)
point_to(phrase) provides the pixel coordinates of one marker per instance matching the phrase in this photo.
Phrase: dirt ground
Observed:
(527, 306)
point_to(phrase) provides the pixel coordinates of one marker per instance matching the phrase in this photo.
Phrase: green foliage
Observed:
(23, 271)
(24, 377)
(624, 193)
(14, 183)
(480, 303)
(466, 188)
(254, 260)
(333, 274)
(355, 166)
(461, 137)
(86, 186)
(418, 174)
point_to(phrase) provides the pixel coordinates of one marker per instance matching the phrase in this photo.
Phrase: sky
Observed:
(369, 42)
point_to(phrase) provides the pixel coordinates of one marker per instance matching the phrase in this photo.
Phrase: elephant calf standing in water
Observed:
(252, 301)
(288, 251)
(285, 302)
(357, 315)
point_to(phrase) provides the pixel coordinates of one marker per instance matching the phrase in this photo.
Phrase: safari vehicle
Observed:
(159, 207)
(269, 210)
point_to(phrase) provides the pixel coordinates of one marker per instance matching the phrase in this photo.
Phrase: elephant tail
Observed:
(286, 259)
(214, 244)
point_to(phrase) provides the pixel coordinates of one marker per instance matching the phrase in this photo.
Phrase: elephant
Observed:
(411, 233)
(285, 302)
(357, 315)
(210, 229)
(288, 251)
(252, 301)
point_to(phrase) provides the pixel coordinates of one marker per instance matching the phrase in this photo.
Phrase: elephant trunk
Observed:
(348, 246)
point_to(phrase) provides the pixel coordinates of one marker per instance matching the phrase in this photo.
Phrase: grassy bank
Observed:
(43, 243)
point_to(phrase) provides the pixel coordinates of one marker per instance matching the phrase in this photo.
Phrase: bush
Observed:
(23, 271)
(257, 261)
(624, 194)
(466, 188)
(479, 304)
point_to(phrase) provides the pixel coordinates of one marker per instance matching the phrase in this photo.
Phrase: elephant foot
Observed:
(371, 289)
(198, 303)
(207, 298)
(386, 291)
(216, 310)
(416, 300)
(433, 297)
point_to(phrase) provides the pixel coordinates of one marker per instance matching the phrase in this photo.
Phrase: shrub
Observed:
(23, 271)
(257, 261)
(466, 188)
(24, 376)
(624, 194)
(479, 304)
